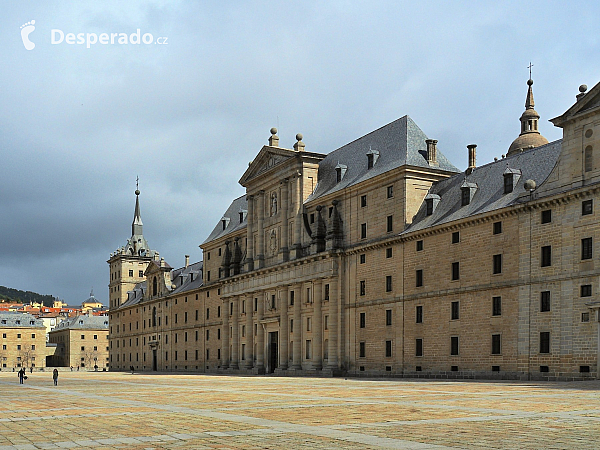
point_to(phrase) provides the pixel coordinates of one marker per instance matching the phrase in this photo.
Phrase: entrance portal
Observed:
(273, 357)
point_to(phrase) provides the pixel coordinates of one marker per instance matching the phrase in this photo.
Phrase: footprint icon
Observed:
(26, 30)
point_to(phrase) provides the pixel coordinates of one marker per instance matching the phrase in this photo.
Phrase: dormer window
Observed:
(431, 202)
(242, 215)
(511, 176)
(372, 157)
(224, 222)
(467, 191)
(340, 171)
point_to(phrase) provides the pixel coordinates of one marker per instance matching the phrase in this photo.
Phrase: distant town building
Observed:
(23, 341)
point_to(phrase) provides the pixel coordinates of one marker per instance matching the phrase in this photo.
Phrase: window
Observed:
(547, 216)
(218, 311)
(326, 295)
(456, 237)
(588, 159)
(390, 224)
(363, 319)
(388, 349)
(586, 248)
(586, 290)
(363, 201)
(585, 317)
(545, 342)
(207, 335)
(455, 271)
(496, 344)
(308, 349)
(587, 207)
(388, 252)
(362, 350)
(419, 314)
(363, 230)
(497, 228)
(292, 298)
(429, 206)
(308, 324)
(388, 283)
(390, 191)
(546, 256)
(419, 246)
(508, 183)
(33, 347)
(419, 347)
(465, 197)
(362, 287)
(131, 273)
(455, 311)
(419, 280)
(497, 263)
(388, 317)
(454, 345)
(496, 306)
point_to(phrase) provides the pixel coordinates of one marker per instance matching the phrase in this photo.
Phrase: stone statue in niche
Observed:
(273, 242)
(273, 203)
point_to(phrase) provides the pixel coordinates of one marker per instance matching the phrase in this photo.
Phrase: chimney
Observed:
(187, 260)
(299, 146)
(162, 262)
(431, 152)
(274, 139)
(472, 148)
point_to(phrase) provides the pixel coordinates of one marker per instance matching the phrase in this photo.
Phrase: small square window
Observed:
(497, 227)
(585, 317)
(586, 290)
(547, 216)
(419, 246)
(363, 201)
(587, 207)
(456, 237)
(388, 252)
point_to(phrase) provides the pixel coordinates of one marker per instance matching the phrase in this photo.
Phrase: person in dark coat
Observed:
(21, 375)
(55, 376)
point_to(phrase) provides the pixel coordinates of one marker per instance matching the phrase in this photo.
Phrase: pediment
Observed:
(267, 159)
(591, 100)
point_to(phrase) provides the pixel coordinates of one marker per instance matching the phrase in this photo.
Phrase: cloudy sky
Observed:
(188, 111)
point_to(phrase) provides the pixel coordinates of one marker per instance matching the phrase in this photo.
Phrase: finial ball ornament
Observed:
(582, 88)
(529, 185)
(299, 137)
(529, 82)
(137, 192)
(273, 130)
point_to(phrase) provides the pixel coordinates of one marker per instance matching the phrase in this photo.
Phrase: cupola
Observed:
(530, 136)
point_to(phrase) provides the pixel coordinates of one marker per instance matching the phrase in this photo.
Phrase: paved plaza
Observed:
(164, 411)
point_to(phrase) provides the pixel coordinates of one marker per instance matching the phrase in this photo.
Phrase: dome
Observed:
(525, 141)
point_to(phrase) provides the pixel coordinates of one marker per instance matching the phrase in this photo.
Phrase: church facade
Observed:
(383, 258)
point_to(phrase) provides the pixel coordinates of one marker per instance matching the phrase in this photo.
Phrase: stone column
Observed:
(332, 362)
(225, 335)
(284, 220)
(297, 348)
(260, 236)
(249, 332)
(260, 337)
(317, 333)
(250, 234)
(235, 334)
(284, 329)
(298, 220)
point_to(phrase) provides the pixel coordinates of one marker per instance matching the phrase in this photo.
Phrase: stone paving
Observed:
(165, 411)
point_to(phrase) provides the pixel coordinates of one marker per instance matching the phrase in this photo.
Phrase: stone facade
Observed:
(382, 258)
(81, 341)
(23, 341)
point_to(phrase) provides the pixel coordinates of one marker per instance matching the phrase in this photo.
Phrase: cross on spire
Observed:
(137, 182)
(529, 67)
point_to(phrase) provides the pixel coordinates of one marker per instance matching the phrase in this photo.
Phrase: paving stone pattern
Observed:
(164, 411)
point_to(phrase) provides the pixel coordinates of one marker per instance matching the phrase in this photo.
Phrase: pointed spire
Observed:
(136, 226)
(529, 103)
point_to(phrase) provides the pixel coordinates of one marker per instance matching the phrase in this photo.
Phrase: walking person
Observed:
(55, 376)
(21, 375)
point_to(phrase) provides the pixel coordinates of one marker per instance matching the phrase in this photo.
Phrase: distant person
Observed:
(31, 369)
(77, 368)
(55, 376)
(95, 367)
(132, 369)
(21, 375)
(71, 368)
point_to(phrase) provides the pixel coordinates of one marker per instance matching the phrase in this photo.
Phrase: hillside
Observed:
(15, 295)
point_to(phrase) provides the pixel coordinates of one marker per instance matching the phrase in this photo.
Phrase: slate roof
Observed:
(17, 319)
(399, 143)
(233, 214)
(535, 164)
(83, 322)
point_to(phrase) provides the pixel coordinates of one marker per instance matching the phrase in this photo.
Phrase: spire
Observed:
(136, 226)
(530, 136)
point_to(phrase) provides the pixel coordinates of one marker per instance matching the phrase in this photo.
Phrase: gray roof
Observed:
(16, 319)
(535, 164)
(83, 322)
(185, 279)
(399, 143)
(233, 223)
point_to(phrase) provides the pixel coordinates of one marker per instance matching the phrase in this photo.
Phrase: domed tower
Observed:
(530, 136)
